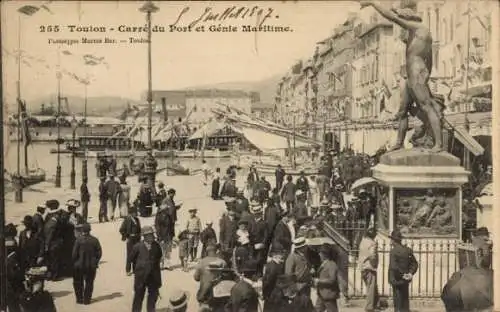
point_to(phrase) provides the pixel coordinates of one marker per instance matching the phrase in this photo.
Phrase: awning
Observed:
(468, 141)
(266, 141)
(208, 129)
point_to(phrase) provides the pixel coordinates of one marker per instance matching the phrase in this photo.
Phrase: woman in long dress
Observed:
(314, 193)
(124, 197)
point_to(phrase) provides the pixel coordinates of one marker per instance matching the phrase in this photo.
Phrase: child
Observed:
(207, 237)
(183, 249)
(193, 227)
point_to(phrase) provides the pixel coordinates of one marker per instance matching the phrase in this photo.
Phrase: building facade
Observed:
(372, 65)
(173, 101)
(199, 103)
(263, 110)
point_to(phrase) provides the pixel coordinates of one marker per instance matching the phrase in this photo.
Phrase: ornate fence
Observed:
(437, 262)
(437, 259)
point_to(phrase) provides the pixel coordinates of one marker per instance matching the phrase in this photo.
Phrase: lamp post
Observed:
(149, 8)
(74, 126)
(84, 161)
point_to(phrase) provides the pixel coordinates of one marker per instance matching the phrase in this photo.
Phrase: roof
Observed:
(217, 93)
(260, 105)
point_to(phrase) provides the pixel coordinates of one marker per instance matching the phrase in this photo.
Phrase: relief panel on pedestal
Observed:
(427, 212)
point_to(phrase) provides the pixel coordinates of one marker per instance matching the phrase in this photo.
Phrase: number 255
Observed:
(49, 28)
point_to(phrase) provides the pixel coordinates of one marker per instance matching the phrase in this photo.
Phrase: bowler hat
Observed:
(193, 210)
(396, 235)
(85, 228)
(178, 299)
(171, 191)
(242, 221)
(10, 230)
(482, 231)
(147, 230)
(28, 220)
(52, 204)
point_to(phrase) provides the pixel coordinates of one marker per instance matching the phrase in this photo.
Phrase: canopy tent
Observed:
(266, 141)
(208, 129)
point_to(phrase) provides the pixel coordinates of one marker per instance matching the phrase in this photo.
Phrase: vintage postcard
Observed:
(249, 156)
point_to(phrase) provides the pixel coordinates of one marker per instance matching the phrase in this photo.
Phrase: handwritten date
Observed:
(231, 13)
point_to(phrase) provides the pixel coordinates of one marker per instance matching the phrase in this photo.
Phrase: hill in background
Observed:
(112, 106)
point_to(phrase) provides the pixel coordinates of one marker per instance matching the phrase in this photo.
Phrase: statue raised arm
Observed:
(417, 99)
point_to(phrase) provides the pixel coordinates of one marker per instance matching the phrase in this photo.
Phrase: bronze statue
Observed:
(417, 98)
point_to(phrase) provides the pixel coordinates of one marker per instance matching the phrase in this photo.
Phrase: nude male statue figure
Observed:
(428, 108)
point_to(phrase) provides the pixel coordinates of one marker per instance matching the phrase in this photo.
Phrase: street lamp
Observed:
(85, 125)
(74, 126)
(149, 8)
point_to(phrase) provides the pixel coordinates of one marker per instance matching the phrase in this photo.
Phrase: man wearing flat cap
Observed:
(86, 255)
(402, 267)
(30, 245)
(146, 258)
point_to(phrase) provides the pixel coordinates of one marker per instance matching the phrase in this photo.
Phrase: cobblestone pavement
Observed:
(113, 288)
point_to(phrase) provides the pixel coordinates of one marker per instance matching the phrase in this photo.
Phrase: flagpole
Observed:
(18, 181)
(467, 63)
(149, 8)
(58, 168)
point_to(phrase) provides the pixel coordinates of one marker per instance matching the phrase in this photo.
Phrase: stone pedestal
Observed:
(420, 194)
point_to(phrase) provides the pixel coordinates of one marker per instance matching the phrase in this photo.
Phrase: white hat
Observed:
(259, 246)
(299, 242)
(256, 209)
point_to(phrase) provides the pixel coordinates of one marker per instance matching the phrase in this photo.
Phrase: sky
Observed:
(180, 59)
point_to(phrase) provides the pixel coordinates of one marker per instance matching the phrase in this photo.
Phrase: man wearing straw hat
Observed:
(259, 236)
(146, 257)
(178, 301)
(297, 264)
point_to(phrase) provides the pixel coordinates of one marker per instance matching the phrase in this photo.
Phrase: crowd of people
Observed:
(270, 253)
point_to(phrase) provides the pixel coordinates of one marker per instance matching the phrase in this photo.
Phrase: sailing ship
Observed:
(31, 173)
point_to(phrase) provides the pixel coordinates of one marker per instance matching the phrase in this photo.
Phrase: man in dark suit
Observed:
(146, 257)
(164, 235)
(130, 231)
(284, 234)
(288, 193)
(228, 226)
(329, 283)
(87, 253)
(402, 267)
(38, 222)
(272, 270)
(169, 204)
(241, 203)
(259, 236)
(279, 174)
(53, 243)
(244, 297)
